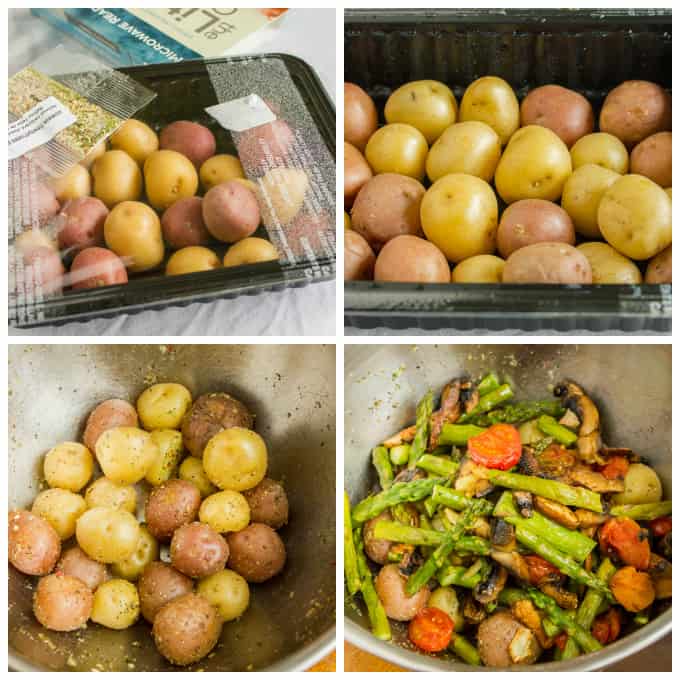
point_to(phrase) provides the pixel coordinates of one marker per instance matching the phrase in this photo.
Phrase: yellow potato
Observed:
(147, 551)
(348, 221)
(669, 191)
(76, 183)
(227, 591)
(582, 194)
(220, 168)
(116, 604)
(459, 214)
(235, 459)
(31, 239)
(225, 511)
(397, 148)
(471, 147)
(107, 535)
(479, 269)
(249, 251)
(608, 265)
(247, 183)
(68, 466)
(603, 149)
(192, 259)
(492, 101)
(116, 178)
(635, 217)
(103, 493)
(170, 449)
(61, 508)
(163, 405)
(125, 454)
(137, 139)
(168, 176)
(191, 470)
(133, 231)
(281, 194)
(535, 164)
(427, 105)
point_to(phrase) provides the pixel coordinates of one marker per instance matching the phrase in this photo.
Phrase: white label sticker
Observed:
(242, 114)
(38, 126)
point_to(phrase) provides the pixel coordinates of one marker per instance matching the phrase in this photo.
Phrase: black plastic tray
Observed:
(184, 90)
(590, 51)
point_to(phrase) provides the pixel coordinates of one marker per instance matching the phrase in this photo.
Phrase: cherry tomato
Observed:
(627, 539)
(561, 641)
(661, 526)
(616, 467)
(607, 627)
(499, 447)
(539, 568)
(431, 630)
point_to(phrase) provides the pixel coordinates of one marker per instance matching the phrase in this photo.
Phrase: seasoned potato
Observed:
(547, 263)
(227, 591)
(250, 251)
(190, 260)
(137, 139)
(235, 459)
(158, 585)
(210, 414)
(125, 454)
(103, 493)
(390, 585)
(479, 269)
(257, 553)
(169, 443)
(268, 503)
(108, 414)
(95, 267)
(68, 466)
(357, 173)
(218, 169)
(116, 604)
(445, 598)
(603, 149)
(74, 562)
(61, 508)
(230, 212)
(76, 183)
(171, 505)
(492, 101)
(183, 224)
(459, 214)
(62, 602)
(281, 195)
(409, 258)
(634, 216)
(32, 543)
(361, 116)
(197, 550)
(106, 534)
(660, 267)
(397, 148)
(163, 405)
(359, 257)
(653, 158)
(225, 511)
(146, 552)
(192, 140)
(168, 176)
(582, 194)
(191, 470)
(427, 105)
(495, 637)
(535, 164)
(608, 265)
(642, 485)
(116, 178)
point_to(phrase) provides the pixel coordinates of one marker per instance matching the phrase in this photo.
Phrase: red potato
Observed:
(230, 212)
(42, 205)
(391, 588)
(43, 271)
(547, 263)
(257, 553)
(377, 549)
(33, 546)
(182, 224)
(409, 258)
(62, 602)
(197, 550)
(110, 413)
(361, 116)
(192, 140)
(158, 585)
(83, 223)
(567, 113)
(660, 267)
(359, 258)
(653, 158)
(273, 139)
(30, 239)
(95, 267)
(171, 505)
(357, 173)
(268, 503)
(74, 562)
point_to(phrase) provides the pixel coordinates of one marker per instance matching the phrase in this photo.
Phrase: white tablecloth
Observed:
(306, 33)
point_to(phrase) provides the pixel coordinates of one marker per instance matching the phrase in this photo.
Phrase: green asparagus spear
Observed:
(488, 384)
(465, 650)
(431, 504)
(643, 511)
(519, 412)
(399, 492)
(641, 618)
(548, 425)
(351, 568)
(420, 440)
(401, 514)
(380, 625)
(450, 575)
(381, 462)
(453, 434)
(400, 533)
(489, 401)
(458, 500)
(442, 467)
(399, 454)
(548, 488)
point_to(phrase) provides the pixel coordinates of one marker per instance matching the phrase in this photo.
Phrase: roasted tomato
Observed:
(499, 447)
(431, 630)
(626, 539)
(539, 568)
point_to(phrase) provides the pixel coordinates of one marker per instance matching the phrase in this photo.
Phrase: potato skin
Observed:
(391, 588)
(218, 169)
(533, 221)
(547, 263)
(182, 223)
(608, 265)
(653, 158)
(159, 584)
(95, 267)
(257, 553)
(75, 562)
(192, 140)
(83, 225)
(116, 178)
(62, 602)
(276, 138)
(359, 257)
(186, 629)
(192, 259)
(108, 414)
(268, 503)
(388, 205)
(171, 505)
(479, 269)
(600, 148)
(210, 414)
(230, 212)
(76, 183)
(168, 176)
(33, 545)
(136, 138)
(377, 549)
(250, 250)
(357, 173)
(660, 267)
(361, 116)
(47, 269)
(397, 148)
(198, 551)
(494, 637)
(409, 258)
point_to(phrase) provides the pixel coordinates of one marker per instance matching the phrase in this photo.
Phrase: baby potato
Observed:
(192, 140)
(348, 221)
(108, 414)
(107, 535)
(137, 139)
(492, 101)
(225, 511)
(397, 148)
(257, 553)
(33, 546)
(427, 105)
(76, 183)
(146, 552)
(115, 604)
(653, 158)
(62, 602)
(634, 216)
(359, 257)
(163, 405)
(281, 195)
(68, 466)
(471, 148)
(603, 149)
(192, 259)
(227, 591)
(116, 178)
(479, 269)
(61, 508)
(95, 152)
(31, 239)
(357, 173)
(47, 271)
(459, 214)
(547, 263)
(169, 506)
(170, 449)
(168, 176)
(231, 212)
(74, 562)
(158, 585)
(133, 231)
(103, 493)
(268, 503)
(197, 550)
(250, 251)
(95, 267)
(219, 169)
(235, 459)
(582, 194)
(125, 454)
(183, 224)
(191, 470)
(608, 265)
(411, 259)
(642, 485)
(361, 116)
(272, 140)
(660, 267)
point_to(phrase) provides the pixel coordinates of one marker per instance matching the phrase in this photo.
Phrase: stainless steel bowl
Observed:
(291, 389)
(631, 385)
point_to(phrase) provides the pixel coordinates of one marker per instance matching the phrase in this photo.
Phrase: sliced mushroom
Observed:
(609, 451)
(557, 512)
(502, 534)
(404, 436)
(576, 400)
(587, 518)
(665, 545)
(473, 612)
(409, 475)
(524, 502)
(449, 410)
(525, 612)
(595, 481)
(661, 572)
(528, 463)
(570, 420)
(469, 396)
(489, 590)
(473, 479)
(563, 597)
(513, 562)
